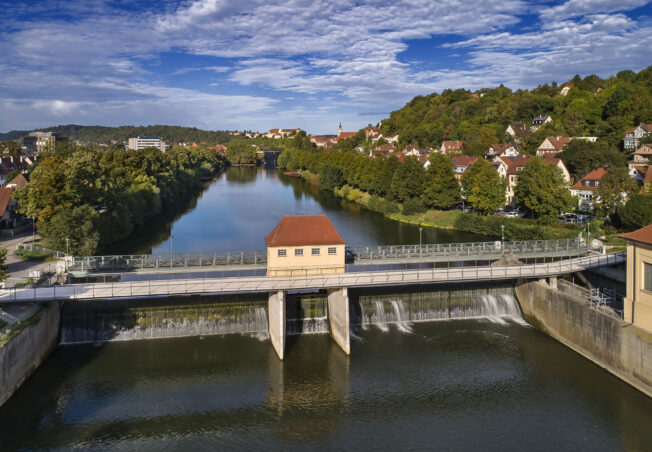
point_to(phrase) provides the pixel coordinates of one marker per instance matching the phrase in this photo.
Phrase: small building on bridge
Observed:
(638, 303)
(305, 245)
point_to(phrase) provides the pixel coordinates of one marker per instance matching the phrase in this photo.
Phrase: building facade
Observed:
(305, 245)
(632, 136)
(147, 142)
(38, 142)
(638, 302)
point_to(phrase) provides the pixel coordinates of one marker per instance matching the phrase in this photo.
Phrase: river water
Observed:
(490, 383)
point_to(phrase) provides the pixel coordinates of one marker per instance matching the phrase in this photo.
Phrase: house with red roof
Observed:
(500, 150)
(586, 189)
(452, 147)
(518, 130)
(516, 164)
(305, 245)
(462, 164)
(552, 145)
(633, 135)
(638, 302)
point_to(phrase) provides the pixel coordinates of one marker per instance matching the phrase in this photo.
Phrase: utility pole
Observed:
(420, 241)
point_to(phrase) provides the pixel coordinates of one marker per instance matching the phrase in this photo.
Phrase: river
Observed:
(490, 383)
(242, 205)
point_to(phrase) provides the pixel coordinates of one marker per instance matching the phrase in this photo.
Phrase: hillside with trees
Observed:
(94, 135)
(605, 108)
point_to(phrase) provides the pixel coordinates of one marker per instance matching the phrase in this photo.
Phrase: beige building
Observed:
(305, 244)
(638, 303)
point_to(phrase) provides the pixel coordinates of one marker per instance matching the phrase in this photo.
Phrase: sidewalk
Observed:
(18, 270)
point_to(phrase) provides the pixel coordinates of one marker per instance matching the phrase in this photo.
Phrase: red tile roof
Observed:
(297, 230)
(520, 129)
(643, 235)
(592, 176)
(19, 181)
(646, 127)
(346, 135)
(558, 143)
(463, 161)
(648, 177)
(452, 145)
(5, 197)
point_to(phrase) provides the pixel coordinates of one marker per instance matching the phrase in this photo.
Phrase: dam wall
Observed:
(25, 349)
(599, 335)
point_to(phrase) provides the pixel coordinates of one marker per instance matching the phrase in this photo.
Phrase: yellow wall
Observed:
(292, 265)
(638, 304)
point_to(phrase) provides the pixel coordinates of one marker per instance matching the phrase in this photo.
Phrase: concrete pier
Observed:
(276, 318)
(338, 317)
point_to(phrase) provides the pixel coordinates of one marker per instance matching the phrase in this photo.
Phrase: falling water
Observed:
(496, 304)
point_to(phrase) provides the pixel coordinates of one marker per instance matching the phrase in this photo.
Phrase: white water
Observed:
(381, 317)
(399, 313)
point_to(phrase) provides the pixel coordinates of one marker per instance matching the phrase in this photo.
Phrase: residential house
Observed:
(637, 170)
(383, 149)
(323, 141)
(305, 245)
(12, 164)
(8, 216)
(586, 189)
(413, 150)
(344, 135)
(552, 145)
(462, 164)
(19, 181)
(638, 300)
(647, 183)
(565, 89)
(281, 133)
(539, 121)
(516, 164)
(643, 154)
(371, 132)
(633, 135)
(220, 148)
(518, 130)
(497, 150)
(452, 147)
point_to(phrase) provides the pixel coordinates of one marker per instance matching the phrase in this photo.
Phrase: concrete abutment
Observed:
(277, 321)
(339, 318)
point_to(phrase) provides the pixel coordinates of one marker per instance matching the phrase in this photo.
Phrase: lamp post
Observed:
(420, 242)
(502, 239)
(33, 229)
(67, 245)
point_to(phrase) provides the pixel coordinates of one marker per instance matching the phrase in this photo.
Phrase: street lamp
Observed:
(420, 230)
(67, 245)
(502, 238)
(171, 240)
(33, 229)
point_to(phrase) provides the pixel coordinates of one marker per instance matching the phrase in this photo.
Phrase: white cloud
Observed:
(574, 8)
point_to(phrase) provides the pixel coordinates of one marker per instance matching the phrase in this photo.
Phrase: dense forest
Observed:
(93, 135)
(605, 108)
(99, 198)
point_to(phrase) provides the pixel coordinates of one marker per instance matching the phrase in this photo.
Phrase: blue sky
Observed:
(256, 65)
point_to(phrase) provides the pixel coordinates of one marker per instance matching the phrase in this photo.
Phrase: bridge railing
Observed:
(306, 281)
(41, 250)
(468, 249)
(162, 261)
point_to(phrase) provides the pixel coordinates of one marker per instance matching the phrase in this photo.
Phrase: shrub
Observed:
(412, 206)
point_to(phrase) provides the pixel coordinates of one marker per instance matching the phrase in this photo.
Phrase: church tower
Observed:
(339, 130)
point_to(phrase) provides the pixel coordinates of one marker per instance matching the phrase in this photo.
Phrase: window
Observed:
(298, 252)
(315, 251)
(282, 253)
(647, 276)
(332, 251)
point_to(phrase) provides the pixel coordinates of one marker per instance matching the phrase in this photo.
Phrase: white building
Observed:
(147, 142)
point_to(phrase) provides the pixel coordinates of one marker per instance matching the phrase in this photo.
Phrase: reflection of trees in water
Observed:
(241, 174)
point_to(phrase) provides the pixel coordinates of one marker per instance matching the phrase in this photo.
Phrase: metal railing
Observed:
(358, 254)
(308, 281)
(41, 250)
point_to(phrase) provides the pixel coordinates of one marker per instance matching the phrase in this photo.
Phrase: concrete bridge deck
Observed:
(199, 286)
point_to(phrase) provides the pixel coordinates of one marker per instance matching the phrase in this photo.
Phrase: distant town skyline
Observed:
(256, 65)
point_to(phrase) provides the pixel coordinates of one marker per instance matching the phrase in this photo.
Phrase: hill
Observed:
(605, 108)
(94, 135)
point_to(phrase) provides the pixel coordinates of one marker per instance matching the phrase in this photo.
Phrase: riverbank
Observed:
(455, 220)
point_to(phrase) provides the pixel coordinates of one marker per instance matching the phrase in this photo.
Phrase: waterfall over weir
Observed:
(381, 309)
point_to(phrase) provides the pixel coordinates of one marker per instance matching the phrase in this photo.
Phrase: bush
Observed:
(354, 195)
(636, 214)
(515, 229)
(388, 207)
(345, 191)
(374, 203)
(412, 206)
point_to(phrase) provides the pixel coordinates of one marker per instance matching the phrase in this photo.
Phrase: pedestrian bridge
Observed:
(221, 285)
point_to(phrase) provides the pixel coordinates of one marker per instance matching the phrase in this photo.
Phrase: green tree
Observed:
(330, 177)
(542, 190)
(407, 181)
(582, 156)
(616, 188)
(636, 214)
(441, 188)
(483, 187)
(240, 152)
(3, 267)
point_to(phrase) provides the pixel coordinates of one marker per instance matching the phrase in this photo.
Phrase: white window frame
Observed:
(298, 252)
(282, 253)
(332, 251)
(315, 251)
(647, 276)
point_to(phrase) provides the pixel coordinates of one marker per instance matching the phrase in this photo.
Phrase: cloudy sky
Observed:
(241, 64)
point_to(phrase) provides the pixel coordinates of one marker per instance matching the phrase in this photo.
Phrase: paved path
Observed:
(17, 268)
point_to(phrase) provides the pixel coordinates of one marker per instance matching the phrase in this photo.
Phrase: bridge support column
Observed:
(552, 282)
(276, 321)
(339, 319)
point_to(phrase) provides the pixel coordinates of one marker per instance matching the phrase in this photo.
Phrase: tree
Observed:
(616, 188)
(3, 267)
(582, 156)
(636, 214)
(330, 177)
(441, 188)
(483, 187)
(240, 152)
(542, 190)
(407, 181)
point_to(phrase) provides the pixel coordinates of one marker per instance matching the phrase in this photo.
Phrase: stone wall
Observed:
(21, 355)
(601, 336)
